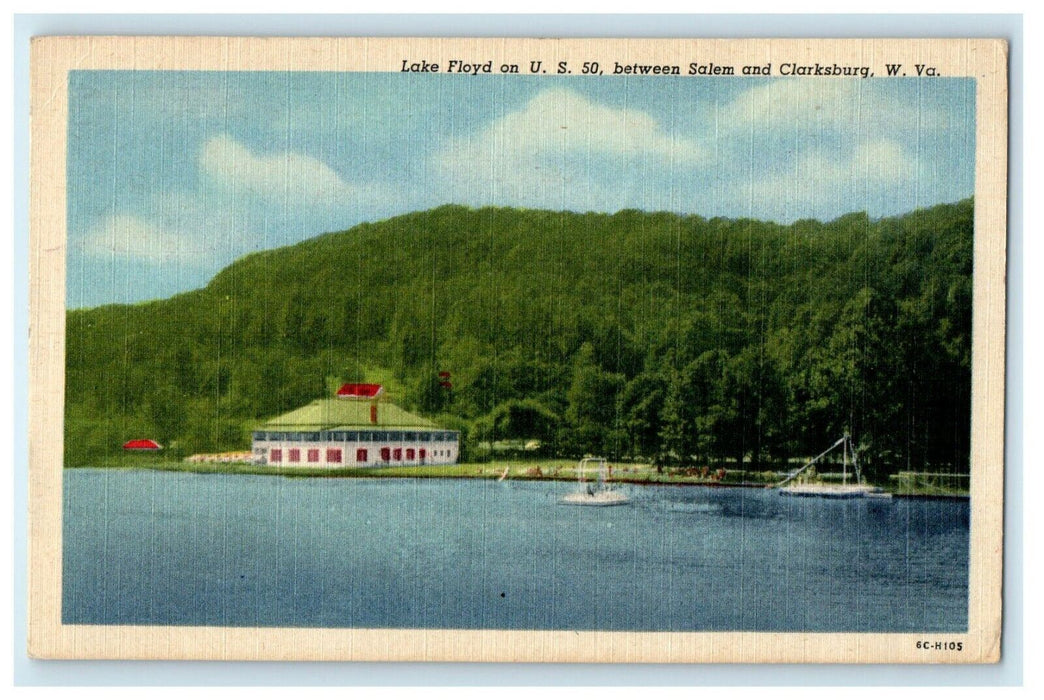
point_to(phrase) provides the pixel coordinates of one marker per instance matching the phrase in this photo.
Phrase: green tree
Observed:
(591, 412)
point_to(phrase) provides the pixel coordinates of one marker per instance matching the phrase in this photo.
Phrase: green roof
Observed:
(330, 414)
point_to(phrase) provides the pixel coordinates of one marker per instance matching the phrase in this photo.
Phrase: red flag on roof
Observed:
(359, 391)
(142, 445)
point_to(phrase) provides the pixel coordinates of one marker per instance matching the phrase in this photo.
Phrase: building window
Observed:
(275, 455)
(410, 454)
(333, 456)
(361, 456)
(313, 456)
(385, 454)
(295, 455)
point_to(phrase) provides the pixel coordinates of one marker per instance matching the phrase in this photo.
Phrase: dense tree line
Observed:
(650, 336)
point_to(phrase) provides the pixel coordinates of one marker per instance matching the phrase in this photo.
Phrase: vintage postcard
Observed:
(517, 349)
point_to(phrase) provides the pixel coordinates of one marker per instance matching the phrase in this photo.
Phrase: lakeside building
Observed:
(142, 446)
(356, 429)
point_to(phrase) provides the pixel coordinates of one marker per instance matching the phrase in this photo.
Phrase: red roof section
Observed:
(359, 391)
(142, 445)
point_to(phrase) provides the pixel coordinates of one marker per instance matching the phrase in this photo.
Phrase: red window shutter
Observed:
(423, 453)
(361, 456)
(333, 455)
(409, 453)
(275, 455)
(313, 455)
(295, 455)
(385, 454)
(398, 453)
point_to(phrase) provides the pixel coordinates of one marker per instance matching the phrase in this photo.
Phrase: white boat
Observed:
(596, 491)
(842, 490)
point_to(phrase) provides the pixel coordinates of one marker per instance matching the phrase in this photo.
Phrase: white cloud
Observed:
(555, 152)
(562, 121)
(882, 160)
(806, 104)
(289, 175)
(243, 202)
(878, 161)
(823, 185)
(131, 237)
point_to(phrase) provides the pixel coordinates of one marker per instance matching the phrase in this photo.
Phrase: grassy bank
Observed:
(929, 485)
(536, 470)
(547, 470)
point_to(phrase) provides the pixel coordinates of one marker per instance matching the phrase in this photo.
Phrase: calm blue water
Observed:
(186, 549)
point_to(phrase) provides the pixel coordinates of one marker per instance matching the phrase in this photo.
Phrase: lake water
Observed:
(145, 547)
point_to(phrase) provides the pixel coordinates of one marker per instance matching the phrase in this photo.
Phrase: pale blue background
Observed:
(1009, 672)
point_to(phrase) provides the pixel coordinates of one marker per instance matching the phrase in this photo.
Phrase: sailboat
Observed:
(597, 492)
(857, 489)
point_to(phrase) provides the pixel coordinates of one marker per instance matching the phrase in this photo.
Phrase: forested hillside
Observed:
(634, 335)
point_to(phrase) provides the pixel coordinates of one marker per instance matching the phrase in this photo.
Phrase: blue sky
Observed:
(173, 175)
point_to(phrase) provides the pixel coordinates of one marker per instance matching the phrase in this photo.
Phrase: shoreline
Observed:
(517, 471)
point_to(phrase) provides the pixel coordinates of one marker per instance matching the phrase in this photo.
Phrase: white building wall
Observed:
(399, 452)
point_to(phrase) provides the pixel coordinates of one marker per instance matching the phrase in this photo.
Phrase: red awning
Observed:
(142, 445)
(359, 391)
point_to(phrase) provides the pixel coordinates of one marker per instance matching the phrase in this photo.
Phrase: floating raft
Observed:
(598, 493)
(600, 498)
